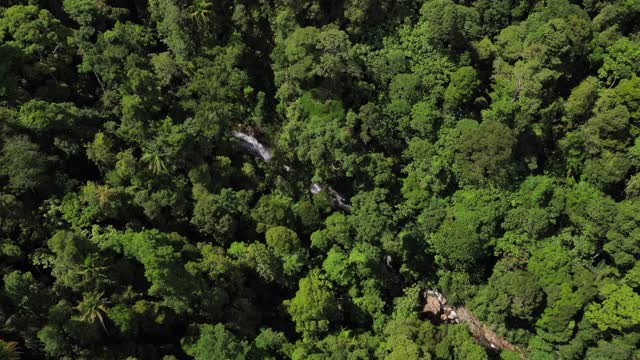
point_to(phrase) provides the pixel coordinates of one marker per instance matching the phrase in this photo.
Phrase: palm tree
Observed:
(9, 350)
(92, 308)
(104, 194)
(93, 271)
(155, 160)
(200, 11)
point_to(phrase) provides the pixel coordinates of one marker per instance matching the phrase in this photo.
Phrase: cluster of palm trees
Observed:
(92, 308)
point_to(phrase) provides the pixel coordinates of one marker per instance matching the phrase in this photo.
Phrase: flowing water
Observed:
(254, 146)
(316, 188)
(437, 304)
(339, 199)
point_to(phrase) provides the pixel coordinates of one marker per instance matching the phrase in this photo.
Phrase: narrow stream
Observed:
(251, 144)
(436, 303)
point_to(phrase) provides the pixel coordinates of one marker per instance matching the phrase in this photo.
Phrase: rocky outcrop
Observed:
(437, 308)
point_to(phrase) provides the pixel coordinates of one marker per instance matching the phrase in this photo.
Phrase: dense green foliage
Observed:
(488, 149)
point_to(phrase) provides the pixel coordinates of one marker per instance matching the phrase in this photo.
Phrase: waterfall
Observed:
(254, 146)
(336, 196)
(316, 188)
(339, 199)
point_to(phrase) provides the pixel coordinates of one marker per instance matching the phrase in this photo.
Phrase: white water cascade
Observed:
(336, 196)
(254, 146)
